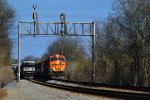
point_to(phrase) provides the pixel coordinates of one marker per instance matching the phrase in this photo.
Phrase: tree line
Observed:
(7, 16)
(7, 19)
(122, 47)
(123, 44)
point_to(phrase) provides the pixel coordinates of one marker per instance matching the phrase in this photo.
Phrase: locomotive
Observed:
(53, 66)
(28, 69)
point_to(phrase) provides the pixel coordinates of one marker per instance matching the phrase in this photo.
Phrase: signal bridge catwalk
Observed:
(57, 28)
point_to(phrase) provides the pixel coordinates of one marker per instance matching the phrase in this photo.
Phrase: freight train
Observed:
(53, 66)
(28, 69)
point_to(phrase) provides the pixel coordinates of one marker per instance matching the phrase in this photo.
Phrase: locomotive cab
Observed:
(52, 67)
(57, 63)
(28, 69)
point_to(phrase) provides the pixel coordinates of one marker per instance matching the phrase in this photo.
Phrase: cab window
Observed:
(62, 59)
(53, 59)
(28, 64)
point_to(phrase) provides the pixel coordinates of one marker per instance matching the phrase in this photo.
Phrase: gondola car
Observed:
(28, 69)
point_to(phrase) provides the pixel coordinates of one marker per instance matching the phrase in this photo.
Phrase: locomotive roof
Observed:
(29, 62)
(57, 55)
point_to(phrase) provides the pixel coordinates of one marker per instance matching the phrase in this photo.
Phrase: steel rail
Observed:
(142, 89)
(98, 92)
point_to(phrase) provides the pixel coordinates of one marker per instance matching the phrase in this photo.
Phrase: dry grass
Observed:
(6, 75)
(3, 93)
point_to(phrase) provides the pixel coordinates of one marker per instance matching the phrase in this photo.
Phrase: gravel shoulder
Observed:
(25, 90)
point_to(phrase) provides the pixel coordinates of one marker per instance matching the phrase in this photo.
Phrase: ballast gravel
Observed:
(25, 90)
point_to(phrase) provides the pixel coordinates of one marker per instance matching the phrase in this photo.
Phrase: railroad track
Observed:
(132, 88)
(87, 88)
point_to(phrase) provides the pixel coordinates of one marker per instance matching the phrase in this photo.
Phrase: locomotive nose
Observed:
(57, 62)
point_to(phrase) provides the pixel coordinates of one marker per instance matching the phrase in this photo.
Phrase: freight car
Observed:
(28, 69)
(54, 66)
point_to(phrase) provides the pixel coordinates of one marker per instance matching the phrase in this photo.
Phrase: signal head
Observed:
(34, 6)
(62, 16)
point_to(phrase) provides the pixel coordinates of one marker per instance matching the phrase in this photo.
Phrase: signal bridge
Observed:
(62, 28)
(57, 28)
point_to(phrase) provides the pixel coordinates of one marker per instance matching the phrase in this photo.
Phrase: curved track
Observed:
(100, 91)
(114, 86)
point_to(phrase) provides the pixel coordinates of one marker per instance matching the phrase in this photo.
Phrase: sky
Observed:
(49, 10)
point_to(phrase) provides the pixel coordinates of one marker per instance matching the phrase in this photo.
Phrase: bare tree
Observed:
(67, 46)
(31, 58)
(133, 19)
(6, 22)
(7, 16)
(123, 43)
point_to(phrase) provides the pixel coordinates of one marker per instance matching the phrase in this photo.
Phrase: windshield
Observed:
(28, 64)
(53, 59)
(62, 59)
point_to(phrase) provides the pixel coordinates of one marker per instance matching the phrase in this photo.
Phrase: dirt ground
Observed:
(3, 93)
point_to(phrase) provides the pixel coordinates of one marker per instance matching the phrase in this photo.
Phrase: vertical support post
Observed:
(93, 52)
(19, 31)
(62, 31)
(65, 26)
